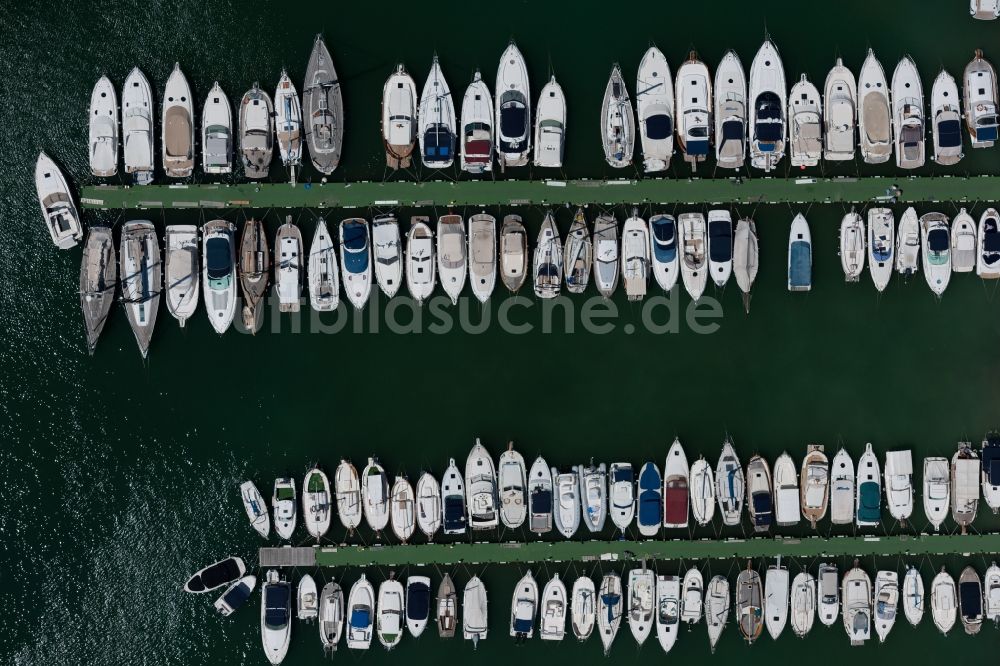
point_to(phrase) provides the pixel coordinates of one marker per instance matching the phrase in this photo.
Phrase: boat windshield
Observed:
(217, 258)
(659, 127)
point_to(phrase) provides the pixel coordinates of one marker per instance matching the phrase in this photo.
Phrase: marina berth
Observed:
(552, 618)
(276, 617)
(454, 518)
(716, 609)
(178, 126)
(98, 281)
(668, 592)
(283, 504)
(217, 132)
(476, 155)
(387, 254)
(583, 609)
(323, 108)
(182, 269)
(654, 103)
(881, 246)
(981, 99)
(256, 508)
(937, 490)
(324, 278)
(137, 127)
(914, 600)
(840, 113)
(908, 115)
(852, 246)
(649, 510)
(58, 210)
(348, 490)
(578, 254)
(875, 119)
(606, 255)
(288, 266)
(524, 608)
(946, 120)
(513, 109)
(540, 497)
(746, 258)
(730, 112)
(219, 273)
(428, 505)
(356, 261)
(693, 97)
(399, 118)
(799, 255)
(641, 602)
(988, 246)
(482, 255)
(103, 129)
(665, 259)
(288, 123)
(437, 122)
(617, 122)
(513, 253)
(550, 126)
(720, 246)
(256, 132)
(609, 609)
(805, 124)
(768, 94)
(452, 260)
(141, 279)
(475, 609)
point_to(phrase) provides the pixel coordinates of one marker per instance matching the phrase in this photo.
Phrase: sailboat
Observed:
(324, 278)
(578, 254)
(768, 94)
(437, 123)
(288, 123)
(182, 270)
(730, 483)
(617, 121)
(702, 491)
(347, 488)
(716, 608)
(547, 265)
(803, 603)
(840, 112)
(654, 103)
(730, 112)
(609, 609)
(583, 607)
(317, 503)
(749, 604)
(593, 495)
(745, 258)
(141, 279)
(323, 106)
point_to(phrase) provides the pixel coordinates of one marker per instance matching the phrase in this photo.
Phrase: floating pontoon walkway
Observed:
(583, 551)
(573, 192)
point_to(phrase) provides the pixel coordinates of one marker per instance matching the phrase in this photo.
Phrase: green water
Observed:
(120, 478)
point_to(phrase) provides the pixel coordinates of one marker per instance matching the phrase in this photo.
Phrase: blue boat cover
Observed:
(937, 240)
(762, 508)
(720, 240)
(950, 134)
(985, 133)
(800, 264)
(277, 606)
(972, 599)
(355, 248)
(869, 506)
(360, 618)
(622, 474)
(514, 120)
(659, 127)
(439, 143)
(237, 596)
(522, 626)
(217, 258)
(454, 512)
(991, 460)
(418, 601)
(732, 130)
(649, 507)
(665, 239)
(541, 501)
(697, 147)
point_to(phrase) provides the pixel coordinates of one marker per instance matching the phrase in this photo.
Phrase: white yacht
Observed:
(606, 255)
(842, 489)
(513, 109)
(236, 595)
(654, 105)
(692, 591)
(375, 495)
(935, 245)
(550, 126)
(668, 610)
(513, 253)
(578, 254)
(937, 490)
(702, 492)
(360, 615)
(990, 456)
(178, 126)
(428, 492)
(663, 250)
(899, 484)
(641, 599)
(635, 256)
(803, 603)
(399, 118)
(451, 255)
(347, 487)
(141, 279)
(963, 243)
(828, 593)
(284, 505)
(767, 118)
(418, 604)
(566, 502)
(219, 273)
(694, 263)
(387, 254)
(609, 609)
(61, 216)
(965, 483)
(476, 155)
(288, 123)
(730, 485)
(874, 116)
(552, 618)
(908, 243)
(288, 266)
(583, 607)
(944, 601)
(621, 498)
(593, 495)
(102, 146)
(181, 271)
(799, 255)
(693, 96)
(482, 255)
(217, 132)
(981, 99)
(437, 122)
(402, 509)
(307, 599)
(547, 264)
(730, 112)
(881, 245)
(540, 497)
(256, 132)
(914, 600)
(720, 246)
(676, 487)
(852, 246)
(746, 258)
(512, 483)
(776, 599)
(481, 489)
(814, 484)
(276, 616)
(991, 592)
(805, 124)
(524, 608)
(886, 602)
(475, 606)
(908, 115)
(840, 114)
(868, 505)
(137, 127)
(256, 508)
(988, 245)
(421, 272)
(716, 608)
(324, 274)
(617, 122)
(389, 623)
(946, 120)
(786, 492)
(453, 516)
(856, 600)
(760, 500)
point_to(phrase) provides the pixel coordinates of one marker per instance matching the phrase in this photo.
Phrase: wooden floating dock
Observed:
(584, 551)
(713, 191)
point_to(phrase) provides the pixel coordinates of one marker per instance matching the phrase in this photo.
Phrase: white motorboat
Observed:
(219, 273)
(946, 120)
(141, 279)
(908, 243)
(418, 604)
(776, 599)
(935, 246)
(730, 485)
(668, 610)
(635, 256)
(284, 505)
(524, 607)
(256, 508)
(663, 250)
(552, 618)
(803, 603)
(702, 492)
(944, 601)
(937, 490)
(868, 505)
(749, 604)
(963, 243)
(356, 261)
(881, 245)
(991, 592)
(692, 591)
(840, 113)
(965, 482)
(990, 456)
(654, 106)
(481, 489)
(988, 246)
(746, 258)
(730, 112)
(389, 623)
(217, 132)
(583, 607)
(255, 274)
(137, 127)
(482, 255)
(288, 266)
(617, 121)
(856, 602)
(307, 599)
(805, 124)
(324, 274)
(852, 246)
(317, 503)
(720, 246)
(275, 616)
(899, 484)
(513, 253)
(621, 499)
(216, 575)
(886, 602)
(236, 595)
(716, 608)
(984, 10)
(760, 501)
(437, 122)
(547, 264)
(454, 518)
(447, 608)
(399, 118)
(606, 255)
(451, 258)
(512, 482)
(693, 96)
(908, 115)
(874, 116)
(676, 484)
(768, 95)
(828, 593)
(475, 606)
(61, 216)
(360, 614)
(540, 497)
(981, 99)
(578, 254)
(593, 495)
(913, 596)
(182, 271)
(402, 509)
(348, 490)
(102, 146)
(550, 126)
(288, 123)
(799, 255)
(178, 126)
(387, 254)
(476, 155)
(513, 109)
(814, 484)
(694, 263)
(649, 512)
(970, 600)
(421, 272)
(786, 492)
(256, 132)
(641, 598)
(609, 609)
(323, 107)
(428, 504)
(566, 501)
(375, 495)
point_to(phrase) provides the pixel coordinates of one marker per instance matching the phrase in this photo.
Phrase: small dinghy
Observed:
(317, 504)
(990, 457)
(512, 483)
(654, 104)
(236, 595)
(552, 618)
(399, 118)
(276, 617)
(944, 601)
(98, 279)
(963, 243)
(965, 481)
(786, 492)
(283, 504)
(375, 495)
(566, 507)
(356, 261)
(476, 155)
(540, 497)
(360, 614)
(331, 616)
(550, 126)
(842, 492)
(437, 120)
(482, 255)
(676, 478)
(937, 490)
(323, 105)
(61, 216)
(524, 607)
(668, 610)
(387, 254)
(692, 590)
(663, 250)
(868, 505)
(749, 604)
(609, 609)
(583, 607)
(935, 244)
(389, 619)
(218, 267)
(513, 253)
(621, 502)
(181, 271)
(446, 608)
(913, 596)
(881, 245)
(799, 255)
(324, 274)
(451, 258)
(256, 508)
(716, 609)
(730, 485)
(946, 120)
(421, 271)
(988, 247)
(137, 127)
(856, 599)
(759, 498)
(547, 264)
(814, 484)
(908, 244)
(981, 100)
(513, 109)
(768, 94)
(348, 490)
(403, 510)
(899, 484)
(216, 575)
(970, 600)
(617, 121)
(178, 126)
(606, 255)
(217, 132)
(256, 132)
(693, 96)
(641, 598)
(578, 254)
(288, 266)
(840, 112)
(828, 592)
(776, 599)
(874, 116)
(141, 279)
(702, 492)
(991, 592)
(650, 504)
(474, 611)
(453, 500)
(428, 505)
(805, 125)
(694, 264)
(307, 599)
(908, 115)
(481, 489)
(852, 246)
(803, 603)
(720, 246)
(102, 146)
(886, 602)
(730, 112)
(745, 258)
(288, 123)
(255, 273)
(635, 256)
(593, 495)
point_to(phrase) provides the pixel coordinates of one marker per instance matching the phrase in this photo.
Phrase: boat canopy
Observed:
(950, 133)
(218, 258)
(938, 240)
(355, 248)
(870, 499)
(800, 265)
(991, 460)
(541, 501)
(522, 625)
(277, 606)
(659, 127)
(237, 596)
(361, 617)
(720, 240)
(216, 575)
(971, 594)
(762, 508)
(418, 601)
(665, 239)
(513, 115)
(439, 143)
(454, 512)
(676, 510)
(649, 507)
(625, 474)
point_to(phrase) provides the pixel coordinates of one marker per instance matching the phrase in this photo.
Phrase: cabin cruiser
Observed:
(786, 492)
(694, 263)
(482, 255)
(970, 600)
(283, 504)
(650, 503)
(453, 500)
(476, 154)
(776, 599)
(767, 118)
(886, 601)
(759, 498)
(694, 110)
(437, 123)
(182, 269)
(566, 507)
(803, 603)
(842, 489)
(216, 575)
(402, 509)
(323, 106)
(102, 147)
(375, 495)
(513, 253)
(451, 255)
(899, 484)
(805, 124)
(874, 117)
(276, 616)
(641, 599)
(881, 245)
(617, 121)
(668, 595)
(852, 246)
(578, 254)
(746, 258)
(692, 591)
(550, 126)
(418, 604)
(730, 486)
(981, 101)
(583, 607)
(944, 601)
(552, 618)
(524, 607)
(913, 596)
(635, 256)
(421, 272)
(256, 132)
(828, 593)
(141, 279)
(946, 119)
(654, 103)
(675, 487)
(474, 611)
(730, 112)
(513, 109)
(324, 278)
(716, 608)
(288, 123)
(61, 216)
(749, 604)
(512, 483)
(799, 255)
(288, 266)
(219, 271)
(937, 490)
(935, 243)
(989, 454)
(663, 250)
(137, 127)
(548, 259)
(908, 115)
(868, 505)
(540, 497)
(963, 243)
(856, 599)
(360, 615)
(965, 482)
(606, 255)
(389, 618)
(609, 609)
(702, 492)
(387, 254)
(307, 599)
(429, 510)
(217, 132)
(908, 243)
(236, 595)
(178, 126)
(720, 246)
(840, 113)
(481, 489)
(593, 495)
(988, 245)
(814, 484)
(347, 488)
(621, 500)
(399, 118)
